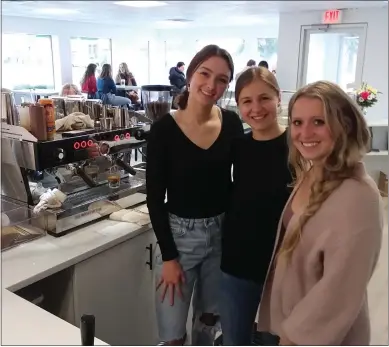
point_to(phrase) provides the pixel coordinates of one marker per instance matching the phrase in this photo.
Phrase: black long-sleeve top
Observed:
(260, 191)
(197, 181)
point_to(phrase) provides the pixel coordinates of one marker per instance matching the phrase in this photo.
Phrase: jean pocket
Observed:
(177, 230)
(177, 225)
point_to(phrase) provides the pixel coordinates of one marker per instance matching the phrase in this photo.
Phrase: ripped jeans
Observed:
(198, 243)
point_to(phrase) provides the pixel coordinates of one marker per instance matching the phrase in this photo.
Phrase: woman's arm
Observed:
(112, 86)
(156, 184)
(325, 315)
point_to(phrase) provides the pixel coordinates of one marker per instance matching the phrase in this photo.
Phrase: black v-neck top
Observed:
(197, 181)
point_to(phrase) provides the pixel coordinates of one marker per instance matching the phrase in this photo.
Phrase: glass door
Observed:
(333, 53)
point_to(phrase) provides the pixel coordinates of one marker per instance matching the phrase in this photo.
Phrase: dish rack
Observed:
(18, 225)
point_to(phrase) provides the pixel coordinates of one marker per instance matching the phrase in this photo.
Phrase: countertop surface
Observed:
(24, 323)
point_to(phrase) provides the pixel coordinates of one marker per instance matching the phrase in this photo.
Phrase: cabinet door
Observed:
(117, 287)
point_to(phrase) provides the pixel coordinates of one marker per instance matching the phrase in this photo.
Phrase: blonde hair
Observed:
(254, 74)
(351, 138)
(127, 72)
(70, 86)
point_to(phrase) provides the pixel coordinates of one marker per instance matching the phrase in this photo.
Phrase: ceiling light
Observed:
(171, 24)
(55, 11)
(141, 3)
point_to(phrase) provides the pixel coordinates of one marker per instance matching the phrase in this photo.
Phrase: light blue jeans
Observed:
(198, 243)
(115, 100)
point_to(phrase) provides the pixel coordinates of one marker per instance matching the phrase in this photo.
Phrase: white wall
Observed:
(216, 34)
(375, 69)
(124, 39)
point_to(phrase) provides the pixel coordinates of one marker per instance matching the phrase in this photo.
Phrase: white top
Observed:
(24, 323)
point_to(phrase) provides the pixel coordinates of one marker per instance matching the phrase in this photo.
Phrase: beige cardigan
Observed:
(320, 298)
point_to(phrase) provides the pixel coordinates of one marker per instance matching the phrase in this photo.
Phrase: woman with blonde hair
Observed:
(69, 89)
(316, 287)
(129, 80)
(125, 74)
(260, 191)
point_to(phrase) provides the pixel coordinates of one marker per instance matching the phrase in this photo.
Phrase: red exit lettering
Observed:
(332, 16)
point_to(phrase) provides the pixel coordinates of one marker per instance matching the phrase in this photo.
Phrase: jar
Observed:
(48, 104)
(38, 122)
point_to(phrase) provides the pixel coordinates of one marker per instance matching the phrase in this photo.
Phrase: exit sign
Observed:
(332, 17)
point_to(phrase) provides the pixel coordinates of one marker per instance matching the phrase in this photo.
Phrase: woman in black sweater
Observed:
(261, 181)
(189, 159)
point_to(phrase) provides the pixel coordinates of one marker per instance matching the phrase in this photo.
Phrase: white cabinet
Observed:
(117, 286)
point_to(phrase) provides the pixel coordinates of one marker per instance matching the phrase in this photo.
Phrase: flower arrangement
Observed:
(366, 96)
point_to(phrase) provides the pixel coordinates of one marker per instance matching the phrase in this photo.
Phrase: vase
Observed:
(364, 111)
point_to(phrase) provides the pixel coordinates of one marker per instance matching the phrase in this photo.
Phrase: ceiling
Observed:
(197, 13)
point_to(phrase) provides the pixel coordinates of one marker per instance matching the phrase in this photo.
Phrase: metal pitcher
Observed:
(126, 117)
(93, 108)
(117, 117)
(9, 112)
(59, 106)
(72, 106)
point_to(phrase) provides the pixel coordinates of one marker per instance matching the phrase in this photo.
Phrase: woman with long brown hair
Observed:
(330, 232)
(106, 88)
(189, 161)
(88, 81)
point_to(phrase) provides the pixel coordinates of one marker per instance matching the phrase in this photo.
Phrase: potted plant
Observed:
(366, 97)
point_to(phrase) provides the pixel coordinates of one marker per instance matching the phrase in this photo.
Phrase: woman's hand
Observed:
(172, 278)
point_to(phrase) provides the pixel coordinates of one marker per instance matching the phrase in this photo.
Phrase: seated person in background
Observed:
(129, 80)
(125, 74)
(69, 89)
(106, 88)
(177, 77)
(263, 63)
(88, 81)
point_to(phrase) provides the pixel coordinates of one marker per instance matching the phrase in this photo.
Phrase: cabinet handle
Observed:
(150, 262)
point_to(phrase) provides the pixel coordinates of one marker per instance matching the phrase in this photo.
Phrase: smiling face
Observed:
(309, 130)
(258, 104)
(209, 81)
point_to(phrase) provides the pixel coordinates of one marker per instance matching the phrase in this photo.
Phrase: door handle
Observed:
(150, 262)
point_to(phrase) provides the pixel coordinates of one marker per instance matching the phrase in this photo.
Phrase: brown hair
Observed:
(106, 71)
(200, 57)
(351, 138)
(254, 74)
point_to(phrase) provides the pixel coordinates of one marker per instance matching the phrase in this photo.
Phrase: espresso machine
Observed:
(65, 163)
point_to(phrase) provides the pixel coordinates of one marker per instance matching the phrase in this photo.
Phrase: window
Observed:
(137, 58)
(334, 54)
(27, 62)
(86, 51)
(178, 50)
(267, 49)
